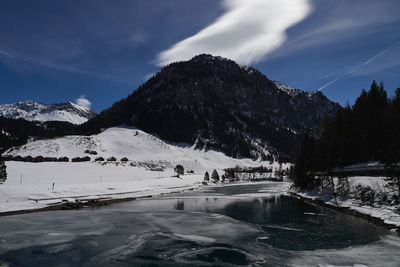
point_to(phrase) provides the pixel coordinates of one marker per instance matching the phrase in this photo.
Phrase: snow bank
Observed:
(371, 196)
(30, 185)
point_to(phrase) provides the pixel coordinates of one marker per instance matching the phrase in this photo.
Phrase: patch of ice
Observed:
(195, 238)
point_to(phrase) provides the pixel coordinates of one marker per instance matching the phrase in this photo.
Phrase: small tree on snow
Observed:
(215, 176)
(3, 171)
(179, 170)
(206, 177)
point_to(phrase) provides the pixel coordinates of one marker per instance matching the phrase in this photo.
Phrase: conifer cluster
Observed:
(367, 131)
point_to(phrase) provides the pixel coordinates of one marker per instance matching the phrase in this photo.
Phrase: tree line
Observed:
(367, 131)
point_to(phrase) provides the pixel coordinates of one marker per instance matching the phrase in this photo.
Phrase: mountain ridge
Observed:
(34, 111)
(216, 104)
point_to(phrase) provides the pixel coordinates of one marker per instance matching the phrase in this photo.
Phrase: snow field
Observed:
(30, 185)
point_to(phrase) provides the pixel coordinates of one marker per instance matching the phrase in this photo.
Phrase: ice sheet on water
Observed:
(315, 214)
(60, 248)
(283, 228)
(196, 238)
(386, 250)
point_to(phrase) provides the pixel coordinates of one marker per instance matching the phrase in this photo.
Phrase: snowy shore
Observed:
(30, 188)
(30, 185)
(364, 195)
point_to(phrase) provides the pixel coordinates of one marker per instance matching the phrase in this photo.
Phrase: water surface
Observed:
(253, 224)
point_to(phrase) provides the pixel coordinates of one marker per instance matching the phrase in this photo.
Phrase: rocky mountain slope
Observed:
(213, 102)
(32, 111)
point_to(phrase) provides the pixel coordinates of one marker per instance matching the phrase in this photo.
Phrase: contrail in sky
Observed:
(359, 66)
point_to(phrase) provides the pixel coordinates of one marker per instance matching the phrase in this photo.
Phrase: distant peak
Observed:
(27, 102)
(288, 89)
(207, 58)
(34, 111)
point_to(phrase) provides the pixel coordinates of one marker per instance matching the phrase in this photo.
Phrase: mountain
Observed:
(23, 120)
(310, 107)
(32, 111)
(214, 103)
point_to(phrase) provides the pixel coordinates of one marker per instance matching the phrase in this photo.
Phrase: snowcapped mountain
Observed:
(213, 102)
(32, 111)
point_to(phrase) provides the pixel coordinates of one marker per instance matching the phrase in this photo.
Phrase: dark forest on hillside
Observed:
(16, 132)
(367, 131)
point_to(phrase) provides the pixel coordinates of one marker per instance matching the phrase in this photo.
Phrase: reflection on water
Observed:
(218, 226)
(288, 222)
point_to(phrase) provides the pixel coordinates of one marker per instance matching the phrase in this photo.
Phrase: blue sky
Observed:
(57, 51)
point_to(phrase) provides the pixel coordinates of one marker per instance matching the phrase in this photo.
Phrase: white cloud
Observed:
(83, 102)
(149, 75)
(246, 32)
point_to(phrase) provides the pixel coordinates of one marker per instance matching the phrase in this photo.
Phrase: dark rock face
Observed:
(215, 103)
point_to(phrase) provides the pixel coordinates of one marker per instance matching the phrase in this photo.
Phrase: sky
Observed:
(95, 52)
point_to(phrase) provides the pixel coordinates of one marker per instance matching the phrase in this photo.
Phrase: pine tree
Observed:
(370, 130)
(305, 160)
(223, 178)
(206, 177)
(215, 176)
(179, 170)
(3, 171)
(393, 175)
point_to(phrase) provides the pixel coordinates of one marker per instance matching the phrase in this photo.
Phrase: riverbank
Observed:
(49, 186)
(99, 201)
(368, 197)
(86, 203)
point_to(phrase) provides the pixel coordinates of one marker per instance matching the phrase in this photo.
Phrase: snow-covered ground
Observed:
(371, 196)
(149, 170)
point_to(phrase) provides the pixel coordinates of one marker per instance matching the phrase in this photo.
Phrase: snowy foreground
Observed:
(148, 171)
(367, 195)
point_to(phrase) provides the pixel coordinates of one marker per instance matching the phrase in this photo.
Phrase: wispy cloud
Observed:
(6, 54)
(148, 75)
(83, 102)
(365, 63)
(246, 32)
(12, 55)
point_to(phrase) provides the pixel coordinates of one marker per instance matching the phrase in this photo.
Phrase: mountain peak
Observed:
(207, 58)
(288, 89)
(34, 111)
(215, 103)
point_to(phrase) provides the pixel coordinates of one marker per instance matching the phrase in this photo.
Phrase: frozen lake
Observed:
(250, 224)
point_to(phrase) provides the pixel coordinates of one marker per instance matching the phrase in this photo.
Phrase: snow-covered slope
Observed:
(32, 111)
(132, 143)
